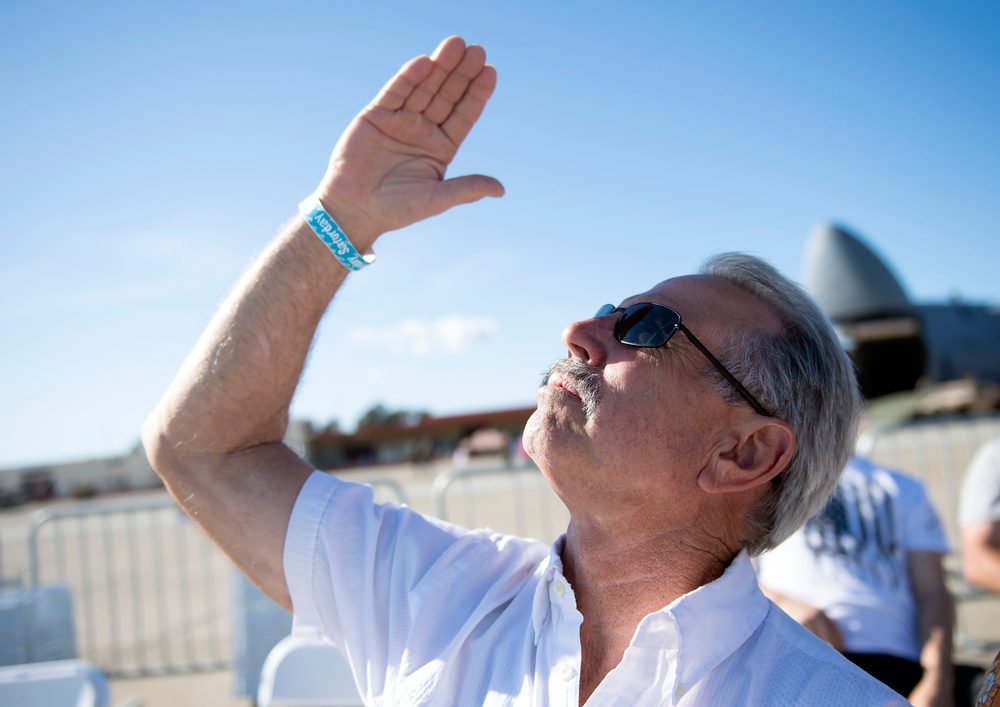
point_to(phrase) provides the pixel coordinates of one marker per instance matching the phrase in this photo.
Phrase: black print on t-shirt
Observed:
(856, 532)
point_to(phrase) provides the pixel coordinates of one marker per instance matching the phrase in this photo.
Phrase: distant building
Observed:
(77, 479)
(497, 432)
(425, 440)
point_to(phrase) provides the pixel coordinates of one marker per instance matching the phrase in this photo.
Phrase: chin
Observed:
(553, 435)
(541, 436)
(532, 431)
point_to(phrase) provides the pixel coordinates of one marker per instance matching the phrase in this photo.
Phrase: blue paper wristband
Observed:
(331, 234)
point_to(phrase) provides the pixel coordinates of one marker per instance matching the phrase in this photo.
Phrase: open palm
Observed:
(388, 168)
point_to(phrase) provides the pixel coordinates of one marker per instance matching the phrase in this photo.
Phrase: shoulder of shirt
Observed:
(987, 455)
(824, 662)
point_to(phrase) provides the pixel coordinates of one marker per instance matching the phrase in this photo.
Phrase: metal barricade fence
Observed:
(935, 450)
(516, 500)
(151, 593)
(149, 589)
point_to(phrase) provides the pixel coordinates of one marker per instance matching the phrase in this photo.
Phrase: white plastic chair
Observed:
(59, 683)
(306, 673)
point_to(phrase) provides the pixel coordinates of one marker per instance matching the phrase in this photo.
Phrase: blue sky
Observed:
(148, 151)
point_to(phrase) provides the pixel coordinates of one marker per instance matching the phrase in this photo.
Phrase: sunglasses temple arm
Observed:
(744, 393)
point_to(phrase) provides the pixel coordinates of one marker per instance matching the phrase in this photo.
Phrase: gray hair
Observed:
(802, 376)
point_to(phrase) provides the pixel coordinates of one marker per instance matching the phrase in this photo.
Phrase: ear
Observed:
(753, 455)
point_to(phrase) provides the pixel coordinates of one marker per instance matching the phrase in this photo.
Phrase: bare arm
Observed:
(981, 554)
(809, 616)
(215, 437)
(935, 617)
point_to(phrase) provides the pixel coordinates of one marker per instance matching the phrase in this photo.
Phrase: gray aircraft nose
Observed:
(848, 280)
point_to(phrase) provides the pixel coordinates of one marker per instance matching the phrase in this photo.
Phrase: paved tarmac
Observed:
(213, 689)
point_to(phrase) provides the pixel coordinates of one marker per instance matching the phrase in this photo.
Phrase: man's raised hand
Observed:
(388, 168)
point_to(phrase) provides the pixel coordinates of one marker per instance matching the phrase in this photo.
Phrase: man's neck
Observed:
(619, 578)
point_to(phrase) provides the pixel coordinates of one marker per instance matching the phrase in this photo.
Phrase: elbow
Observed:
(970, 572)
(980, 558)
(977, 575)
(185, 469)
(157, 446)
(164, 449)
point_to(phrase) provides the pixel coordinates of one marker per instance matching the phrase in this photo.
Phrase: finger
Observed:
(446, 57)
(465, 190)
(470, 107)
(456, 84)
(394, 94)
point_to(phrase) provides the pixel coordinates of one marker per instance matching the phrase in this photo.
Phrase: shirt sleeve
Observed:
(344, 553)
(923, 530)
(386, 584)
(980, 497)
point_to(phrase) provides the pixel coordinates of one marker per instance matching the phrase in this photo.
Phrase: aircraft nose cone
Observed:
(848, 280)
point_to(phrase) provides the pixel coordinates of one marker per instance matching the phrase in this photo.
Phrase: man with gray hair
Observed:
(690, 426)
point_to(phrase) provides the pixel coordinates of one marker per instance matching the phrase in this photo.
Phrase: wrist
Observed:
(350, 209)
(352, 253)
(941, 678)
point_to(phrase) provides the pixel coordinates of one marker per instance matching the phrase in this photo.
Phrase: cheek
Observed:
(653, 421)
(632, 419)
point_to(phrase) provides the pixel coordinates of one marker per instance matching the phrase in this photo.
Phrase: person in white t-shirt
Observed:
(865, 574)
(680, 449)
(979, 518)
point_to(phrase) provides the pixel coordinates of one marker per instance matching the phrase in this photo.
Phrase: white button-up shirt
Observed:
(428, 613)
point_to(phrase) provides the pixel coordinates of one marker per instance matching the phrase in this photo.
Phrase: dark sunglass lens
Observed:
(646, 325)
(605, 310)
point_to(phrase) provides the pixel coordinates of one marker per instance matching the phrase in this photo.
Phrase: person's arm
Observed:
(935, 622)
(809, 616)
(981, 554)
(216, 436)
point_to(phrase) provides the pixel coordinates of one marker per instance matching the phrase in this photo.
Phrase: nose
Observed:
(588, 339)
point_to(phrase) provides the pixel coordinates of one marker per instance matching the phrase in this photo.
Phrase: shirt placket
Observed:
(563, 644)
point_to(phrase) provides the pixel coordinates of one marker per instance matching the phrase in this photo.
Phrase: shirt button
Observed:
(565, 671)
(679, 692)
(560, 588)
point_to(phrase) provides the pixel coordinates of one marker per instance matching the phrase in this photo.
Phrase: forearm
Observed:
(936, 657)
(937, 685)
(216, 436)
(935, 618)
(234, 390)
(981, 556)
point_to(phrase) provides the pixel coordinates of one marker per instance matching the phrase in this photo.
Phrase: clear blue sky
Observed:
(149, 150)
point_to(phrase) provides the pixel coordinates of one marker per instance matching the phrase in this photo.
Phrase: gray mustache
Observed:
(586, 380)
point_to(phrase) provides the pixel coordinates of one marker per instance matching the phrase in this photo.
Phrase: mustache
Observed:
(585, 379)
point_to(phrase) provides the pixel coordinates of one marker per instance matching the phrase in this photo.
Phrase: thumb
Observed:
(465, 190)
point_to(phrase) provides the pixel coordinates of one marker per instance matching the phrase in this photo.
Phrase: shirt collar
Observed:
(712, 621)
(704, 626)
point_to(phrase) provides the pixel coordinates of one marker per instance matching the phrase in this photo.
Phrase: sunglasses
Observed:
(648, 325)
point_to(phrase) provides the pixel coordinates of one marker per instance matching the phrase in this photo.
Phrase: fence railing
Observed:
(510, 499)
(149, 590)
(151, 593)
(935, 450)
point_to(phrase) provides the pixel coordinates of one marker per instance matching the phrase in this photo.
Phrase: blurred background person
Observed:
(979, 518)
(865, 574)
